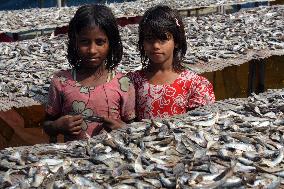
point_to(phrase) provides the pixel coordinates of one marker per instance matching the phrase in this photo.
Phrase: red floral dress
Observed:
(188, 91)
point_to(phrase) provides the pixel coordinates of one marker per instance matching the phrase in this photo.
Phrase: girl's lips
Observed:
(156, 53)
(93, 59)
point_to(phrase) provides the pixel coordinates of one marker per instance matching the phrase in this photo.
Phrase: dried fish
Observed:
(213, 40)
(46, 18)
(157, 153)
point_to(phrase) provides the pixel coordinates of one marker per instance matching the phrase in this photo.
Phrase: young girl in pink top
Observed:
(91, 88)
(163, 86)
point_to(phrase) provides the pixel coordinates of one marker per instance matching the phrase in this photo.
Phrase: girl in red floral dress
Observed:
(163, 86)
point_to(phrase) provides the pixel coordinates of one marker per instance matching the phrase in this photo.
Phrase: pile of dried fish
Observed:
(214, 42)
(236, 38)
(7, 104)
(217, 41)
(37, 19)
(26, 68)
(239, 147)
(138, 7)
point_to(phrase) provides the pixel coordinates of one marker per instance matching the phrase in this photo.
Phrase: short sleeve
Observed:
(202, 93)
(135, 78)
(128, 99)
(131, 76)
(54, 103)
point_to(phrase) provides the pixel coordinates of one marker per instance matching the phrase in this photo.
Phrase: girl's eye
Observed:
(165, 37)
(100, 42)
(83, 41)
(162, 38)
(148, 38)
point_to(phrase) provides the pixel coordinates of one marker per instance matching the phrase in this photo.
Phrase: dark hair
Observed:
(159, 20)
(90, 16)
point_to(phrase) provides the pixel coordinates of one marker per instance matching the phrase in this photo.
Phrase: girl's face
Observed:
(159, 50)
(93, 47)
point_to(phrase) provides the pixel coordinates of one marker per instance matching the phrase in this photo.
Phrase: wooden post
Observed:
(251, 77)
(261, 76)
(59, 3)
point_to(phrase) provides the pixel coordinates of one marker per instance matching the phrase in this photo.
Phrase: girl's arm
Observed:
(202, 93)
(48, 126)
(49, 129)
(113, 124)
(54, 125)
(67, 124)
(128, 114)
(127, 106)
(110, 124)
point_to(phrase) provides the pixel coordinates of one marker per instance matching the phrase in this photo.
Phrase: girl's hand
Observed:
(110, 124)
(68, 124)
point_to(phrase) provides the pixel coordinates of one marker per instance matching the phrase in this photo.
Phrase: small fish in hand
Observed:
(93, 119)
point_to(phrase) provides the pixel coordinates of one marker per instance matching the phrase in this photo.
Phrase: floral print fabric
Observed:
(114, 99)
(188, 91)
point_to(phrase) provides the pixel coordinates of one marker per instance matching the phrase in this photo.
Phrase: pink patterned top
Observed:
(115, 99)
(188, 91)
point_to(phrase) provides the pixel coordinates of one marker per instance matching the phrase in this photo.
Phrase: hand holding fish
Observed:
(68, 124)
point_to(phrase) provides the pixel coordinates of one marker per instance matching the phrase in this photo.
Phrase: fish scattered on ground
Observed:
(214, 42)
(47, 18)
(232, 152)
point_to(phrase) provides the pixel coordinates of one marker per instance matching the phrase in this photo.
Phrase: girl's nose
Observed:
(156, 44)
(93, 48)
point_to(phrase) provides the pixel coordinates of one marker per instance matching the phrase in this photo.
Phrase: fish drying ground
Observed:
(235, 143)
(45, 18)
(214, 42)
